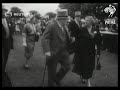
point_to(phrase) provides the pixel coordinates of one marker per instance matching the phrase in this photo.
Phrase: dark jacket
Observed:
(6, 46)
(54, 40)
(75, 31)
(84, 59)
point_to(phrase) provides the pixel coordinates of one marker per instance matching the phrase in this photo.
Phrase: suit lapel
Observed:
(77, 24)
(60, 29)
(59, 32)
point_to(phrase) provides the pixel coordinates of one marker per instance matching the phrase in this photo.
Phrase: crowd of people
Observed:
(60, 37)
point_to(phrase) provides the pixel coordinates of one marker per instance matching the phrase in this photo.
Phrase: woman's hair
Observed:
(90, 18)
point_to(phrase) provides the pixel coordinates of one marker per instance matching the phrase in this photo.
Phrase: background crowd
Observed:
(25, 26)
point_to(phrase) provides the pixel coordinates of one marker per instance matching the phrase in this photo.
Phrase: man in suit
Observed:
(55, 41)
(74, 28)
(6, 46)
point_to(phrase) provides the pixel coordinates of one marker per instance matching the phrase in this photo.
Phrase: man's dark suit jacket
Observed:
(54, 40)
(75, 31)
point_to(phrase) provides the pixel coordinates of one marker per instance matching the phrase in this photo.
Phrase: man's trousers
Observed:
(52, 61)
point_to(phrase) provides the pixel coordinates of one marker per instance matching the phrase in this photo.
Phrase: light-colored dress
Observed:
(29, 30)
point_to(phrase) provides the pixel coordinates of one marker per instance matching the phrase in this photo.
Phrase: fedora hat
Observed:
(77, 13)
(62, 14)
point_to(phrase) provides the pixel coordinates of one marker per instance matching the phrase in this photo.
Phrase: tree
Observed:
(33, 12)
(16, 10)
(96, 9)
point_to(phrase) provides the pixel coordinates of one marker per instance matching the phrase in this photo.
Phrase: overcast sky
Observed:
(42, 8)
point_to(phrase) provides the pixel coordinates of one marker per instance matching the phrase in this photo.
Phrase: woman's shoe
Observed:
(26, 66)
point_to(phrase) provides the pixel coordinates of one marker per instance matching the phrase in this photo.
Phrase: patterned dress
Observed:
(29, 30)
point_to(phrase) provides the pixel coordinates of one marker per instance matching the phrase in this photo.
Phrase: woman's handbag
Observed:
(98, 66)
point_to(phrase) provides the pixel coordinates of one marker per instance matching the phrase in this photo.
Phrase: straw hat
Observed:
(77, 13)
(62, 14)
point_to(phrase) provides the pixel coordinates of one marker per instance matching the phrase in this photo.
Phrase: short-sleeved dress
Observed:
(29, 30)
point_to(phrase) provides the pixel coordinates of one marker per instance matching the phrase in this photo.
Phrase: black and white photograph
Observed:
(59, 44)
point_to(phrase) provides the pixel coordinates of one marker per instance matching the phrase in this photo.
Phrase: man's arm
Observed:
(71, 28)
(46, 38)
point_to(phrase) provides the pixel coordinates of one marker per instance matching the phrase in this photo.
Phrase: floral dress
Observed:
(29, 30)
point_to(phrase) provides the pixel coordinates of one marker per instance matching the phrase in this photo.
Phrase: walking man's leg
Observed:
(29, 49)
(65, 67)
(51, 67)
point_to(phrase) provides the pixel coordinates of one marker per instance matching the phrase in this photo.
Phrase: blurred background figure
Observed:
(38, 27)
(51, 17)
(83, 23)
(6, 46)
(29, 39)
(17, 28)
(43, 26)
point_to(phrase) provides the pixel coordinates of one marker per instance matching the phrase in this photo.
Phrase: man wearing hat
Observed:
(74, 28)
(55, 41)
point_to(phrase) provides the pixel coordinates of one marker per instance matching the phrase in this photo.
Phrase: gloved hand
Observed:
(24, 44)
(73, 39)
(48, 54)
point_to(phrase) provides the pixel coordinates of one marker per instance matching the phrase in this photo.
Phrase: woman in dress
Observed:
(29, 35)
(85, 56)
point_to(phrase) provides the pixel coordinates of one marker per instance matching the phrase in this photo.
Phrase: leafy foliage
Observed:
(96, 9)
(16, 10)
(33, 12)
